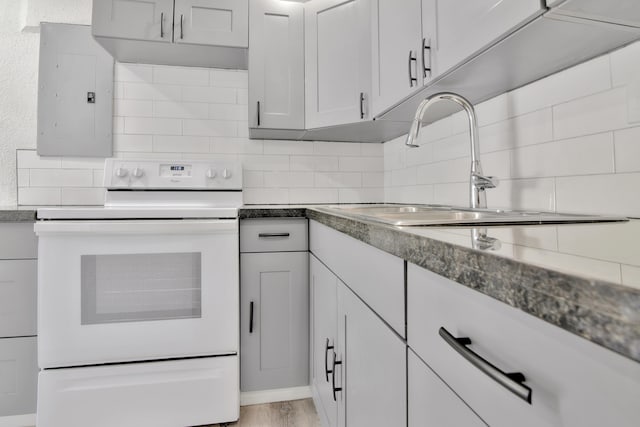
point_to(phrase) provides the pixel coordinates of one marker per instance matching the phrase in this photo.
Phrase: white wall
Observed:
(199, 113)
(569, 143)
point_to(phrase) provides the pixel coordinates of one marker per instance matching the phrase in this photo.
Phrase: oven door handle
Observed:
(137, 227)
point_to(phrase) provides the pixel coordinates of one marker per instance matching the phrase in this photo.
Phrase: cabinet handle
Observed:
(181, 31)
(327, 371)
(510, 381)
(258, 113)
(412, 79)
(333, 377)
(426, 69)
(161, 25)
(361, 105)
(266, 235)
(251, 317)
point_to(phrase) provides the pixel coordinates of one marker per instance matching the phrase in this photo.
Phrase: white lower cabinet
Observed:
(18, 376)
(359, 363)
(432, 403)
(572, 382)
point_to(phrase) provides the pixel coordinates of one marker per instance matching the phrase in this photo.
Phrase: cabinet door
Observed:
(133, 19)
(432, 403)
(276, 65)
(374, 366)
(337, 61)
(397, 51)
(324, 332)
(466, 28)
(18, 376)
(18, 296)
(274, 350)
(212, 22)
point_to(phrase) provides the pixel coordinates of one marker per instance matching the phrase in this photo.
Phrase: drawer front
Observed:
(432, 403)
(573, 381)
(18, 376)
(274, 235)
(374, 275)
(18, 296)
(18, 241)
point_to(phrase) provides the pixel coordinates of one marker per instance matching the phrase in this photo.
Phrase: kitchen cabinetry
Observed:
(274, 298)
(210, 33)
(561, 379)
(276, 65)
(623, 12)
(401, 54)
(466, 29)
(18, 348)
(359, 361)
(337, 62)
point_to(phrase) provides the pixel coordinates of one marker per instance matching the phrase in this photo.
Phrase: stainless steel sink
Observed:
(439, 215)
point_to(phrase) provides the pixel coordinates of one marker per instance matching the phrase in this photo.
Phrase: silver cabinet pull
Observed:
(412, 79)
(511, 381)
(181, 27)
(161, 25)
(266, 235)
(426, 69)
(258, 113)
(251, 317)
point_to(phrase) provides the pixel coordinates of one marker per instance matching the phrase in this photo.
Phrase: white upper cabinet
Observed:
(212, 22)
(276, 65)
(133, 19)
(397, 54)
(467, 27)
(623, 12)
(337, 61)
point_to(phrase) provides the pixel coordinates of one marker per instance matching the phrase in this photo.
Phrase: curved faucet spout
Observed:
(477, 181)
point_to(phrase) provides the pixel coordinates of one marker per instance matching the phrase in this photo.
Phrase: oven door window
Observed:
(140, 287)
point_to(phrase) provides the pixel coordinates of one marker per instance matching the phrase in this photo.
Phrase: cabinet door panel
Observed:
(133, 19)
(18, 376)
(276, 64)
(432, 403)
(338, 61)
(396, 34)
(325, 314)
(212, 22)
(465, 28)
(374, 366)
(274, 349)
(18, 296)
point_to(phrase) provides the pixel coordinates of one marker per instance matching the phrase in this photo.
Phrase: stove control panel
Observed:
(170, 174)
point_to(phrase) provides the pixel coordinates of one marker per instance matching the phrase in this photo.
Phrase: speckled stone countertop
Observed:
(17, 214)
(584, 278)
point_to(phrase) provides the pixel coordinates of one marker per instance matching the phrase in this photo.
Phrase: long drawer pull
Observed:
(267, 235)
(333, 377)
(327, 371)
(251, 317)
(511, 381)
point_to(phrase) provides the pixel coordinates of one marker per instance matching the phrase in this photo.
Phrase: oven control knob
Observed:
(137, 173)
(211, 173)
(226, 174)
(121, 172)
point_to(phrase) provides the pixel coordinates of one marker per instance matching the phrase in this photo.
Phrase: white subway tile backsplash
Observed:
(29, 159)
(266, 196)
(23, 178)
(288, 179)
(209, 128)
(180, 110)
(372, 150)
(455, 194)
(373, 179)
(537, 194)
(265, 163)
(184, 76)
(336, 148)
(338, 179)
(209, 95)
(599, 194)
(313, 195)
(152, 126)
(229, 78)
(140, 143)
(180, 144)
(228, 112)
(252, 179)
(82, 163)
(125, 72)
(224, 145)
(592, 114)
(32, 196)
(360, 195)
(242, 96)
(288, 147)
(132, 108)
(627, 150)
(60, 178)
(82, 196)
(531, 128)
(314, 163)
(625, 65)
(151, 92)
(361, 164)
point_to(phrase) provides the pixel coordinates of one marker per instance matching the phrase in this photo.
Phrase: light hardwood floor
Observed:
(295, 413)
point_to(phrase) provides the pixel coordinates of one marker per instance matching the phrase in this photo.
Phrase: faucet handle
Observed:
(484, 182)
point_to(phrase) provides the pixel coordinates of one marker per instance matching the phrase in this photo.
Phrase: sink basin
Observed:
(439, 215)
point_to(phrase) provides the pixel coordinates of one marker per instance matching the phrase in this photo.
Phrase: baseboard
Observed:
(27, 420)
(275, 395)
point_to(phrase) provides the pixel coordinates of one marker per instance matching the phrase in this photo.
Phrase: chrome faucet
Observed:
(477, 181)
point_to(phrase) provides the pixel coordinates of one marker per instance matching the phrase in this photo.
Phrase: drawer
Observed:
(573, 382)
(18, 297)
(374, 275)
(432, 403)
(274, 235)
(18, 241)
(18, 376)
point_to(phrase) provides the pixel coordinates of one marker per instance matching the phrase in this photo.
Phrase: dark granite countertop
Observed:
(17, 213)
(584, 278)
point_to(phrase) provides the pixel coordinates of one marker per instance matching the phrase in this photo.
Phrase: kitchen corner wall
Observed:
(567, 143)
(196, 113)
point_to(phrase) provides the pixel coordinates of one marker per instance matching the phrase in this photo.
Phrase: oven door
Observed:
(133, 290)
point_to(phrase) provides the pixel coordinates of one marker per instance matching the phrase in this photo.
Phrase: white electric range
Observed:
(138, 300)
